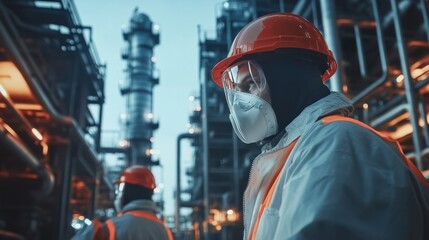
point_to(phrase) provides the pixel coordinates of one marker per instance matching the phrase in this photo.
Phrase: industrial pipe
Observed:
(409, 86)
(389, 115)
(331, 35)
(178, 180)
(44, 172)
(32, 77)
(364, 94)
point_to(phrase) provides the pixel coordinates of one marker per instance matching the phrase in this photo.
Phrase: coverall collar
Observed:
(141, 204)
(334, 102)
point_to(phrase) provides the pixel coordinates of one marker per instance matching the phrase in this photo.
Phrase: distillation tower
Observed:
(141, 36)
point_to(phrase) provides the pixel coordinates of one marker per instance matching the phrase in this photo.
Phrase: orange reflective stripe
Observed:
(111, 228)
(407, 161)
(152, 217)
(274, 182)
(98, 230)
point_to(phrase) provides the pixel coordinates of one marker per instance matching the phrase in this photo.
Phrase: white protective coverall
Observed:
(129, 227)
(340, 181)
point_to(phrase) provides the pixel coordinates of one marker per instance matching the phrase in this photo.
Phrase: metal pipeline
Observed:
(44, 172)
(409, 85)
(178, 181)
(425, 16)
(331, 35)
(32, 76)
(403, 108)
(366, 93)
(299, 8)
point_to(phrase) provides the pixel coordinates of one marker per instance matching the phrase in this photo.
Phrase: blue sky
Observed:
(177, 59)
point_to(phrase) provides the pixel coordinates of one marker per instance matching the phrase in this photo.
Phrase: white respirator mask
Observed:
(246, 91)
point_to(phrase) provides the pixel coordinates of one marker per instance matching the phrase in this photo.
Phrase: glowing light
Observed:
(365, 106)
(123, 116)
(152, 139)
(197, 108)
(87, 221)
(226, 4)
(81, 218)
(154, 152)
(230, 212)
(3, 91)
(157, 190)
(153, 59)
(218, 227)
(123, 143)
(149, 115)
(37, 134)
(191, 98)
(191, 130)
(400, 78)
(10, 130)
(44, 148)
(156, 27)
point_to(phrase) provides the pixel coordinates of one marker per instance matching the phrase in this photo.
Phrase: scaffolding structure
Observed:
(51, 103)
(382, 50)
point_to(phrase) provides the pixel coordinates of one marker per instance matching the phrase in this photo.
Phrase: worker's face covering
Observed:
(119, 192)
(248, 97)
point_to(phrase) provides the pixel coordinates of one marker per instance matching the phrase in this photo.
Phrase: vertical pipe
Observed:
(424, 10)
(178, 189)
(178, 181)
(359, 47)
(65, 192)
(423, 113)
(205, 158)
(408, 80)
(228, 30)
(94, 197)
(254, 12)
(315, 15)
(332, 39)
(383, 58)
(281, 6)
(236, 176)
(99, 124)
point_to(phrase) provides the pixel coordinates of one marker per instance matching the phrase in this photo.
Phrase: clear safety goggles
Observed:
(245, 76)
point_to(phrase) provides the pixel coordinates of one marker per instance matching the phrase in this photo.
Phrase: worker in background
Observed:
(136, 217)
(321, 174)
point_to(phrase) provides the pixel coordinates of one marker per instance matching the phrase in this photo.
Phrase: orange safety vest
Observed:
(268, 197)
(99, 233)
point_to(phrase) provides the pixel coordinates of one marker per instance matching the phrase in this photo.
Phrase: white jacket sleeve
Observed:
(347, 183)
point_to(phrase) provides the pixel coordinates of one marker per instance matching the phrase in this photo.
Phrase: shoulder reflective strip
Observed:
(111, 229)
(407, 161)
(97, 227)
(152, 217)
(274, 182)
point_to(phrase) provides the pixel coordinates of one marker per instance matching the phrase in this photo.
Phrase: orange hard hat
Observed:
(276, 31)
(138, 175)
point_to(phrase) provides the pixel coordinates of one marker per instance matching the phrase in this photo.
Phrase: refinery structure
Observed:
(55, 173)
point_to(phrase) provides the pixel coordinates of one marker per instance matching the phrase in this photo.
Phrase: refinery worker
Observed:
(136, 219)
(321, 174)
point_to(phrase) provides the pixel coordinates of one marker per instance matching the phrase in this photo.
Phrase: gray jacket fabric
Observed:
(341, 181)
(130, 227)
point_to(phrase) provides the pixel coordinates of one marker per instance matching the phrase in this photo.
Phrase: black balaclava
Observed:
(135, 192)
(294, 80)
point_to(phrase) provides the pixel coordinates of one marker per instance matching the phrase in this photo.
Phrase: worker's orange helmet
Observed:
(276, 31)
(138, 175)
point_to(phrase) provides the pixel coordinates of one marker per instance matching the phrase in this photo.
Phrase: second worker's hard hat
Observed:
(138, 175)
